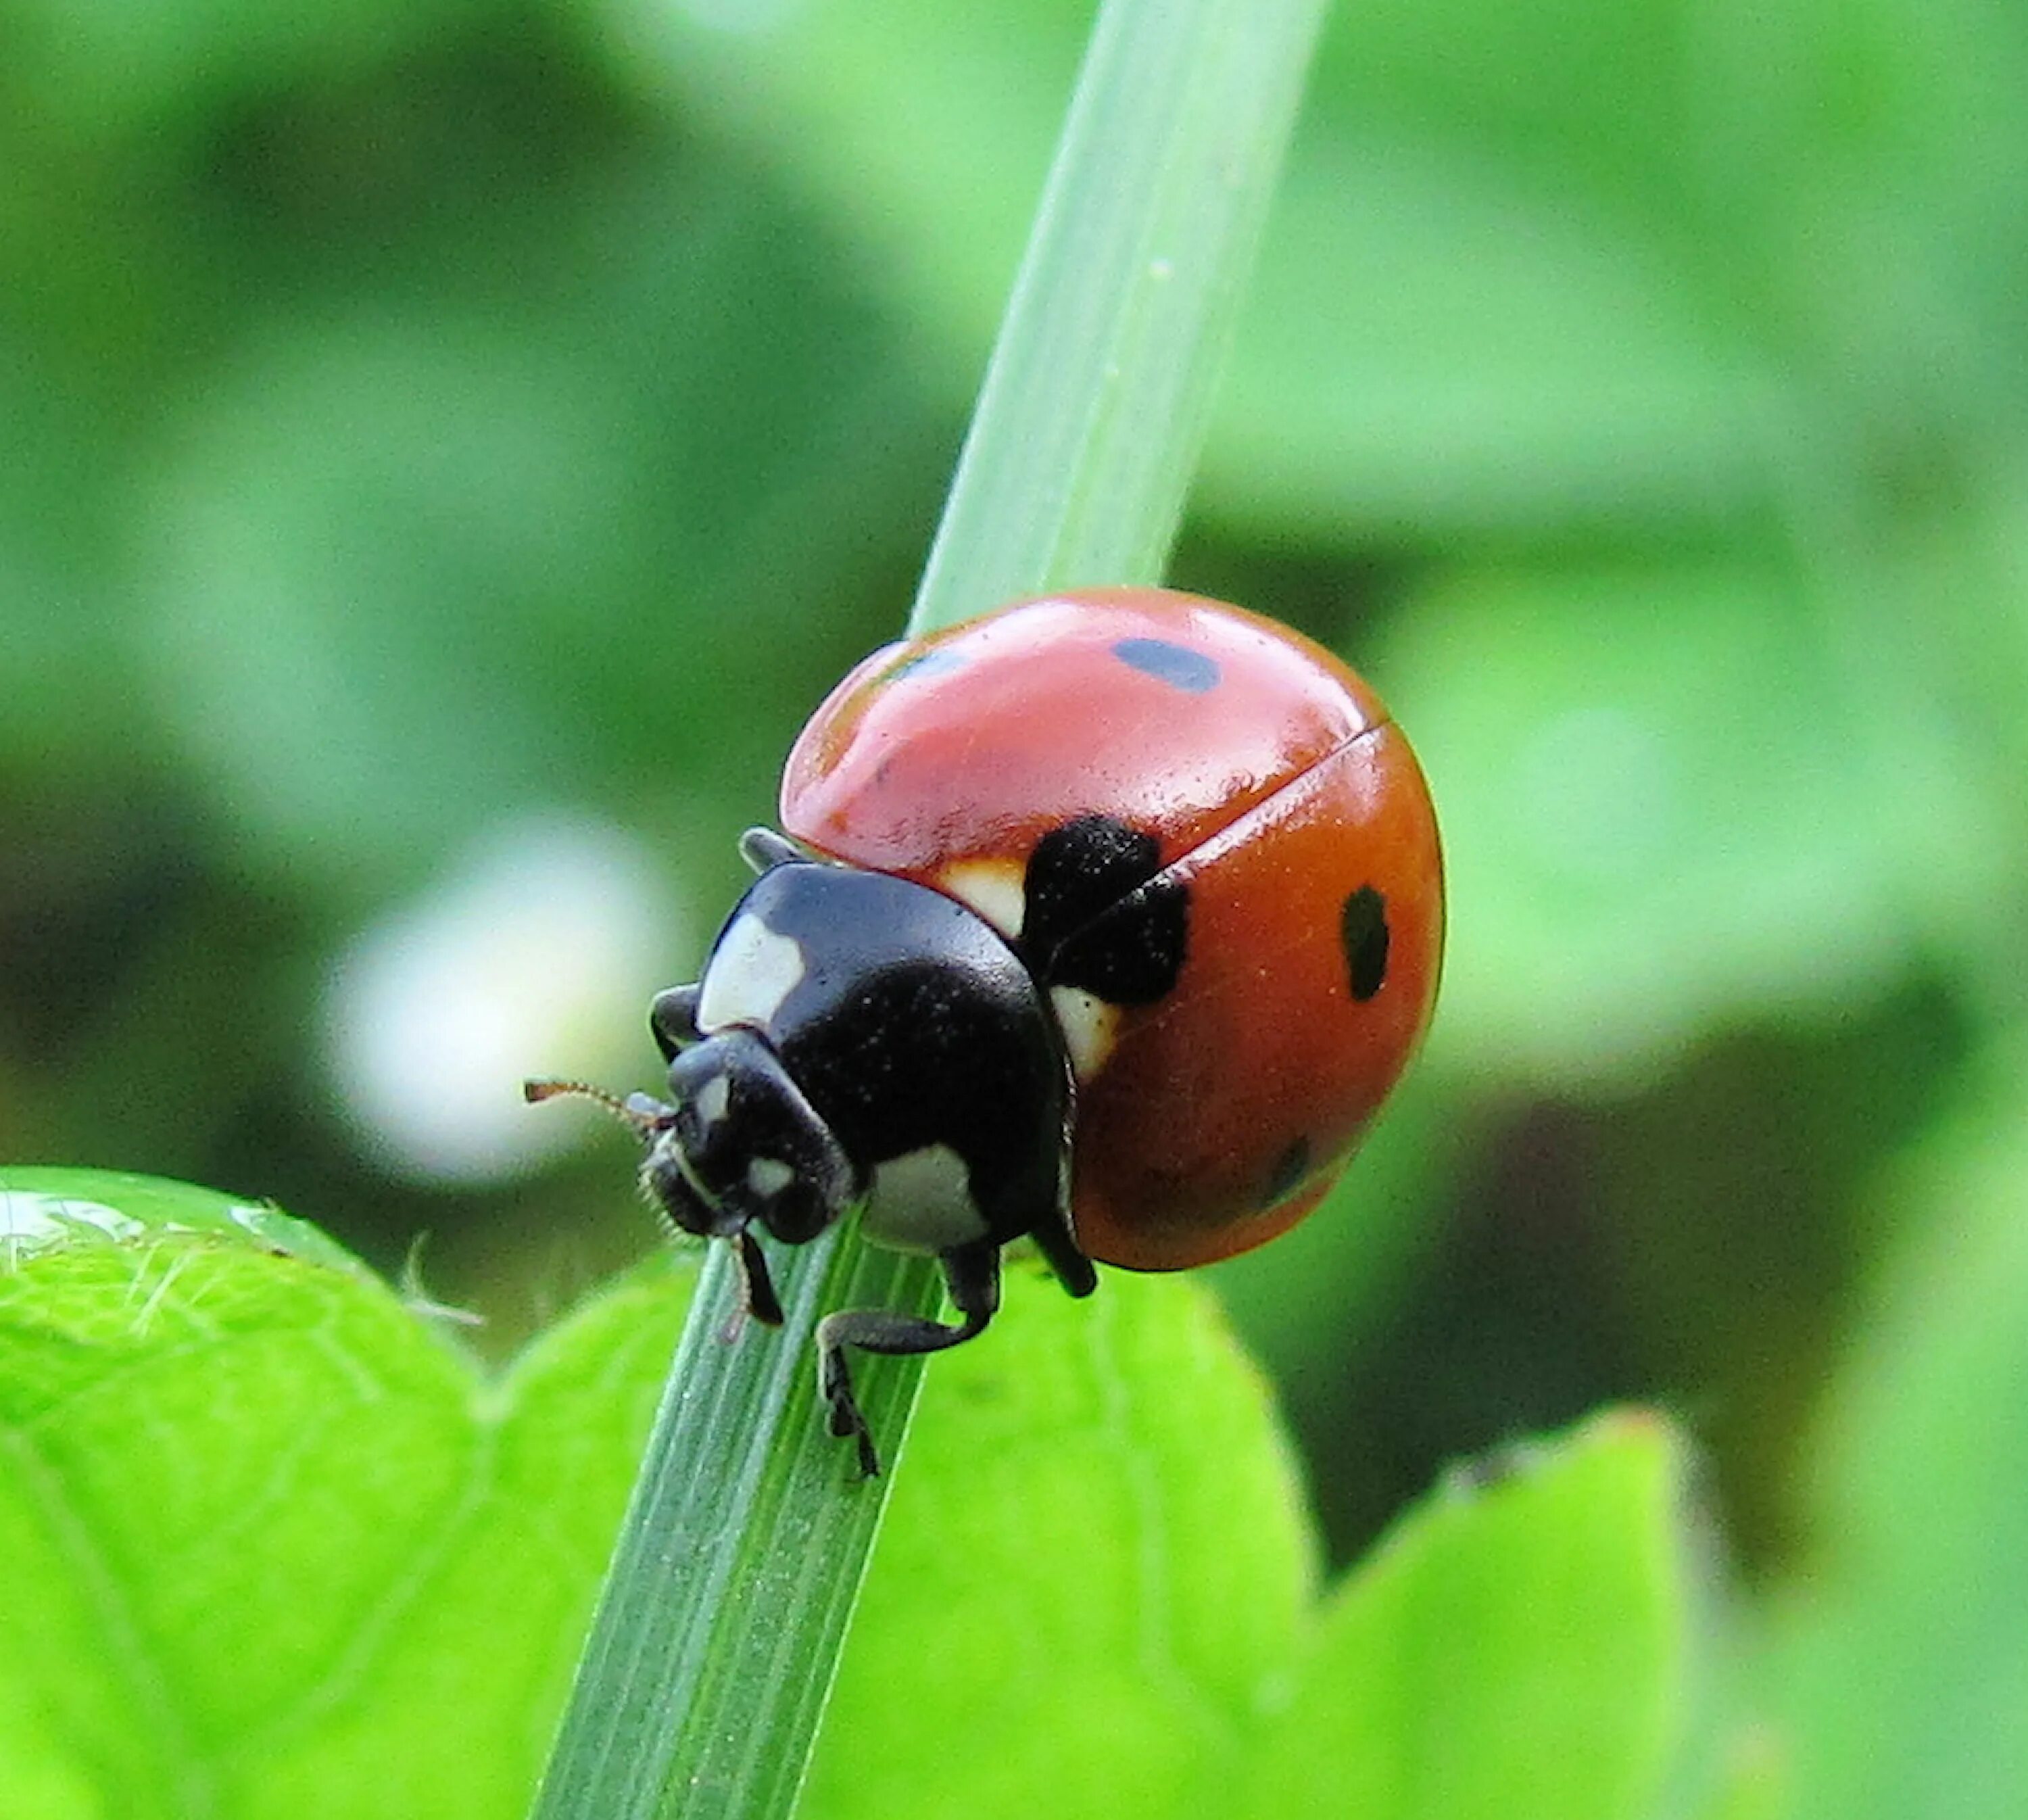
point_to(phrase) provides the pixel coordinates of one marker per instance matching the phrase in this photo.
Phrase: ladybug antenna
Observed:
(642, 1114)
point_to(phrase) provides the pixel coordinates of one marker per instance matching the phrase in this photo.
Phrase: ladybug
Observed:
(1107, 920)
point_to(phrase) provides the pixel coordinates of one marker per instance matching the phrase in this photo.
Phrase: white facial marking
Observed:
(714, 1100)
(750, 972)
(769, 1175)
(922, 1202)
(992, 887)
(1090, 1028)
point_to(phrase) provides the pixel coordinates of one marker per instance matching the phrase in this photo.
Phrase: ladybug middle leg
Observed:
(971, 1272)
(1056, 1238)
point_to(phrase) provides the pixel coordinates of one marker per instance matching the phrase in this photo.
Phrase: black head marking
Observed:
(1362, 929)
(1095, 915)
(1177, 665)
(1289, 1169)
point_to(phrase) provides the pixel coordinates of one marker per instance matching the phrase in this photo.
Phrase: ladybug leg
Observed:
(972, 1273)
(673, 1020)
(763, 849)
(757, 1288)
(1056, 1238)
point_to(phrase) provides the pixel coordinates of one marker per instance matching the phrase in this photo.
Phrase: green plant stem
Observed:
(726, 1607)
(737, 1564)
(1095, 405)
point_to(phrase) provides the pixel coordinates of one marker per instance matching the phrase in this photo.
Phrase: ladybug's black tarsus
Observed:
(972, 1274)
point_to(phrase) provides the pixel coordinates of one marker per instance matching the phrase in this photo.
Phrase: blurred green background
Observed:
(450, 446)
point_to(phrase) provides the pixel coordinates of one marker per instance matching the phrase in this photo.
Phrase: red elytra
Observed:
(1283, 798)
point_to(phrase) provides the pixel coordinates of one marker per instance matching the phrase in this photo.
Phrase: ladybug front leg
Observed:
(972, 1273)
(757, 1287)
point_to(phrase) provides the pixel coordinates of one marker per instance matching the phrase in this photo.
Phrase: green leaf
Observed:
(436, 531)
(65, 670)
(110, 70)
(924, 133)
(1094, 1568)
(1648, 811)
(1900, 1661)
(270, 1541)
(1935, 619)
(1512, 357)
(1518, 1648)
(46, 1207)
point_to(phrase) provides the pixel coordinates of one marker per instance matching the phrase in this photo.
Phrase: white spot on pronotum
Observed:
(993, 888)
(750, 972)
(714, 1099)
(769, 1175)
(1090, 1025)
(922, 1202)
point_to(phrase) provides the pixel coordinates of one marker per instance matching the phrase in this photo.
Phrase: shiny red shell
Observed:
(1282, 797)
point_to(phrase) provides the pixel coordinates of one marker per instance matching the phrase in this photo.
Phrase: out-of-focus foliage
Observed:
(422, 423)
(1899, 1669)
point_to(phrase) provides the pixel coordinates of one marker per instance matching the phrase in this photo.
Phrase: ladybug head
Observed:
(739, 1145)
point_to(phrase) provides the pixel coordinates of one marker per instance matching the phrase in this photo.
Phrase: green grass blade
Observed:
(740, 1557)
(718, 1635)
(1095, 405)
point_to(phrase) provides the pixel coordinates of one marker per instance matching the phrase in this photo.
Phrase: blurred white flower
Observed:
(534, 954)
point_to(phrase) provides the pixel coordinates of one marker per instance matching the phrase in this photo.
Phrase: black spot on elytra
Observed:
(1362, 928)
(1134, 953)
(1289, 1169)
(1077, 872)
(1096, 915)
(1177, 665)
